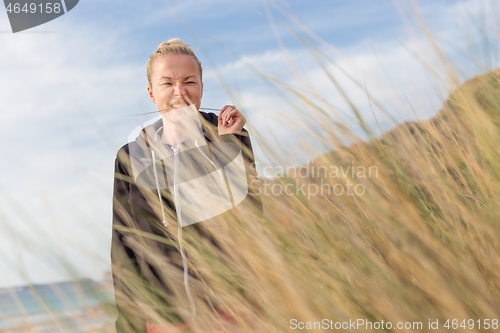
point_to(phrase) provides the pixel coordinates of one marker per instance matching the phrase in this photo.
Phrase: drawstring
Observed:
(165, 222)
(179, 218)
(219, 171)
(204, 155)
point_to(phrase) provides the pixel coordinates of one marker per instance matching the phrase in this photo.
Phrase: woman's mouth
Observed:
(178, 105)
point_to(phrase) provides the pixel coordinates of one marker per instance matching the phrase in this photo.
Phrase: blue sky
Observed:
(66, 87)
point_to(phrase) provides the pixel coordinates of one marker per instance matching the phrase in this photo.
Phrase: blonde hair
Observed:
(173, 46)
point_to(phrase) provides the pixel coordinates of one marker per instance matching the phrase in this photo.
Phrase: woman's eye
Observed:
(190, 82)
(166, 84)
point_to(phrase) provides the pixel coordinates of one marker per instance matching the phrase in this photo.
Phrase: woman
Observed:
(180, 173)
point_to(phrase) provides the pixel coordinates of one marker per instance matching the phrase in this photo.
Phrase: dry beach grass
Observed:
(421, 242)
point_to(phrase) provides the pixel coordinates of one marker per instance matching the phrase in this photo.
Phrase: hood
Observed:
(149, 139)
(210, 178)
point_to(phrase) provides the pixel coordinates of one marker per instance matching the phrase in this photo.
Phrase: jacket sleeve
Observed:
(125, 269)
(252, 176)
(254, 196)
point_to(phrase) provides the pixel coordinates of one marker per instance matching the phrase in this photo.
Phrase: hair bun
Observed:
(172, 42)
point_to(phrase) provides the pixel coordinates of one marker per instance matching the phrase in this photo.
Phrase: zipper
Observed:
(179, 230)
(176, 187)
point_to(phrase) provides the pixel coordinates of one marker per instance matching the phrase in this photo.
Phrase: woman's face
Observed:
(175, 82)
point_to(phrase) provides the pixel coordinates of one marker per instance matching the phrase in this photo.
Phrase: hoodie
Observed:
(203, 177)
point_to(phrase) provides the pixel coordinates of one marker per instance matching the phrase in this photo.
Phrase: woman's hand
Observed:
(236, 120)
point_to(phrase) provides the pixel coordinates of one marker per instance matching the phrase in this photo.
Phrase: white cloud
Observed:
(58, 92)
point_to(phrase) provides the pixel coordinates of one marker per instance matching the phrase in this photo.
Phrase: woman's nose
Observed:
(179, 89)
